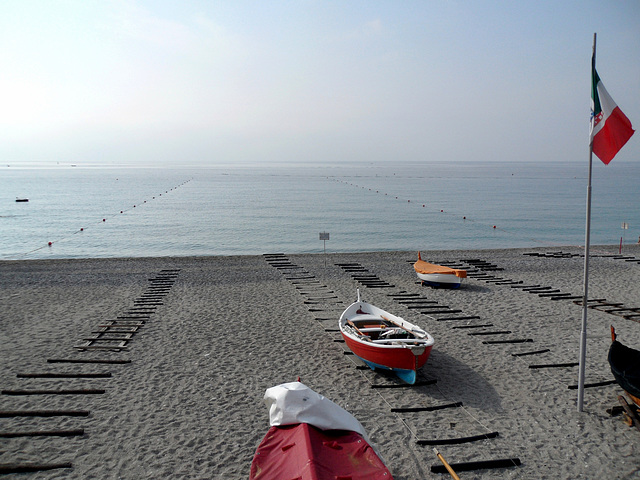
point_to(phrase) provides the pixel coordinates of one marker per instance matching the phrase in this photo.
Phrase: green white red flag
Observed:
(610, 128)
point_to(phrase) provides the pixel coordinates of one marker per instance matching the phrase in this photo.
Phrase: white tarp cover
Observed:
(293, 403)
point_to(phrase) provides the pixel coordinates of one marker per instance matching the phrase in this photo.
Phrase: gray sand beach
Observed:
(204, 337)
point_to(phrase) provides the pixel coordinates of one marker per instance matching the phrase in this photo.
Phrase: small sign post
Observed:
(625, 226)
(324, 236)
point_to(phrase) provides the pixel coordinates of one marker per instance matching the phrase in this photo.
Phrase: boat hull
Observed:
(312, 438)
(438, 275)
(440, 280)
(389, 358)
(625, 363)
(305, 452)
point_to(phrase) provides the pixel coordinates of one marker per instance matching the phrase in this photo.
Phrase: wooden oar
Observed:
(446, 465)
(351, 324)
(412, 332)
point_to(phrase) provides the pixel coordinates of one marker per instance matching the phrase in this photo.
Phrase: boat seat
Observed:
(416, 341)
(362, 317)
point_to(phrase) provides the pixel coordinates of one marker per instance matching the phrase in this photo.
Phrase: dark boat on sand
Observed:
(625, 366)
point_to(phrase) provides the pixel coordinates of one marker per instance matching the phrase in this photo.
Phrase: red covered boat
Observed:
(385, 341)
(312, 438)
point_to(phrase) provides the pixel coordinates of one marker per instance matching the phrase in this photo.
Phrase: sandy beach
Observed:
(196, 341)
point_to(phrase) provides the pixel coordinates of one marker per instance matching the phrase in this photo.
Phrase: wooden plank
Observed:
(43, 413)
(459, 440)
(433, 312)
(6, 468)
(630, 412)
(555, 365)
(81, 391)
(497, 332)
(63, 375)
(104, 348)
(480, 465)
(426, 409)
(593, 385)
(89, 360)
(550, 293)
(44, 433)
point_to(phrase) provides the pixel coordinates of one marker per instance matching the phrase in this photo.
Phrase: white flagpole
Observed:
(583, 331)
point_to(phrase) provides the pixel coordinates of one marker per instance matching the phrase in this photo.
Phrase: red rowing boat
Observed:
(384, 341)
(312, 438)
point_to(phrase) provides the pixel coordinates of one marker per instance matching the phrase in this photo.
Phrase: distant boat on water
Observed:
(21, 199)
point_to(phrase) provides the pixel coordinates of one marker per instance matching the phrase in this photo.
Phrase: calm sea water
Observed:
(124, 211)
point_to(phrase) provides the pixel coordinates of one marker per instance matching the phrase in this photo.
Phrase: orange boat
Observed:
(438, 275)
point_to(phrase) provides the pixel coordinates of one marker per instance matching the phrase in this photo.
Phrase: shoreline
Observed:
(607, 249)
(189, 405)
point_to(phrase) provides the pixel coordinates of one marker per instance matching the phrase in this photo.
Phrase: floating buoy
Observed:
(408, 201)
(464, 218)
(50, 243)
(120, 211)
(441, 211)
(82, 229)
(104, 219)
(494, 226)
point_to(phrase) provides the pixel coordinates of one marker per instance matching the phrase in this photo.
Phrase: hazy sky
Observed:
(186, 82)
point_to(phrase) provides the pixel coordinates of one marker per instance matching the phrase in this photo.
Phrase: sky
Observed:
(194, 82)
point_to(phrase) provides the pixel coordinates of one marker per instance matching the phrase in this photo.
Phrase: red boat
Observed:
(312, 438)
(385, 341)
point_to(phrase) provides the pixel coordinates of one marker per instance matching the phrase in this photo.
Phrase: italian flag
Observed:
(610, 128)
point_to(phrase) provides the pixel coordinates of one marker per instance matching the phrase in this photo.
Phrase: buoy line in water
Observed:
(50, 243)
(450, 214)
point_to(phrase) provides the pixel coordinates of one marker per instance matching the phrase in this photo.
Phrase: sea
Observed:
(100, 211)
